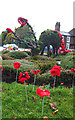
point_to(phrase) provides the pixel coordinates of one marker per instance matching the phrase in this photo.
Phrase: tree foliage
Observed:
(3, 34)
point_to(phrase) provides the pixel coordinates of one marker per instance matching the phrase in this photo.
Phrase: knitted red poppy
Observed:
(22, 21)
(1, 68)
(55, 70)
(23, 76)
(35, 72)
(16, 65)
(72, 69)
(42, 93)
(9, 30)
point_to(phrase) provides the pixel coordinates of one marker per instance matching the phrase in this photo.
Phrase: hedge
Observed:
(9, 76)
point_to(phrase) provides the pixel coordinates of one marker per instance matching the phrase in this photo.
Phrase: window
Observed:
(67, 46)
(63, 38)
(68, 39)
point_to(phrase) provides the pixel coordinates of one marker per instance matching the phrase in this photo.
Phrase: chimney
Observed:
(57, 26)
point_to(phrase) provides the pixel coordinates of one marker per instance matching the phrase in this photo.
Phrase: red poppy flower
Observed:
(42, 93)
(0, 88)
(67, 51)
(22, 21)
(35, 72)
(55, 70)
(73, 69)
(23, 77)
(1, 68)
(62, 83)
(9, 30)
(16, 65)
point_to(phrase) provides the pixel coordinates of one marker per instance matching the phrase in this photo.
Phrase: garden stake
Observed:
(16, 77)
(73, 81)
(54, 81)
(34, 82)
(26, 91)
(42, 105)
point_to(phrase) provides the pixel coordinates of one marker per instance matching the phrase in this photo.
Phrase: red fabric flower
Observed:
(9, 30)
(16, 65)
(55, 70)
(61, 83)
(42, 93)
(22, 21)
(23, 77)
(35, 72)
(73, 69)
(67, 51)
(1, 68)
(0, 89)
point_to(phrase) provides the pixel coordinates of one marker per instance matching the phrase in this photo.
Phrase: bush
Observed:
(9, 75)
(5, 57)
(18, 54)
(68, 62)
(46, 66)
(35, 51)
(9, 72)
(35, 57)
(66, 77)
(28, 52)
(5, 51)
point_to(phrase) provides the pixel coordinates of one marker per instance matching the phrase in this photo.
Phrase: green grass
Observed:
(14, 102)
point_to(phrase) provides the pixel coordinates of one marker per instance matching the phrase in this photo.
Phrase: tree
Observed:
(47, 38)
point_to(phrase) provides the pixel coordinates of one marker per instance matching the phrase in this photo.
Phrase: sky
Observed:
(41, 14)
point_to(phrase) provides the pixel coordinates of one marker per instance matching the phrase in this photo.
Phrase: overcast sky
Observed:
(41, 14)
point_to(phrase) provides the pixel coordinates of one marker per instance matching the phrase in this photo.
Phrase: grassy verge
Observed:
(14, 102)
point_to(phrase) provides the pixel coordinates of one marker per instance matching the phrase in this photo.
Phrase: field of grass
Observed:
(14, 104)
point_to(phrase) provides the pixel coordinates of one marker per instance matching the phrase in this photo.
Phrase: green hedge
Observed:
(18, 54)
(68, 62)
(9, 75)
(45, 66)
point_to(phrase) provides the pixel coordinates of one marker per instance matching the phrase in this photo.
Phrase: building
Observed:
(68, 37)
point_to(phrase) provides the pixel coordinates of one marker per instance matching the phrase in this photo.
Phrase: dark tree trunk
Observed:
(53, 50)
(42, 50)
(48, 51)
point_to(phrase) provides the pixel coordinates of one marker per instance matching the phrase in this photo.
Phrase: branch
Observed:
(25, 42)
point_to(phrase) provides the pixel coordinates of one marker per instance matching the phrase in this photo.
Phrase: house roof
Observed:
(66, 33)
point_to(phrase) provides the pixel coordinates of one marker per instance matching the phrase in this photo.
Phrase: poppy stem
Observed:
(42, 105)
(73, 81)
(16, 77)
(54, 81)
(26, 91)
(34, 82)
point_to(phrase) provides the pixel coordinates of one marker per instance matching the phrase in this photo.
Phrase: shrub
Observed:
(18, 54)
(28, 52)
(9, 72)
(35, 57)
(9, 75)
(66, 77)
(46, 66)
(35, 51)
(5, 57)
(68, 62)
(5, 51)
